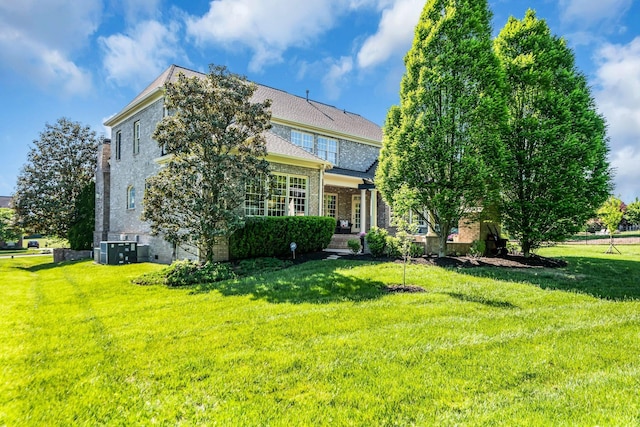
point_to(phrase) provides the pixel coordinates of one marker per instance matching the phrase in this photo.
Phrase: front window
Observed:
(328, 149)
(297, 196)
(301, 139)
(278, 196)
(254, 198)
(131, 197)
(287, 196)
(331, 205)
(136, 137)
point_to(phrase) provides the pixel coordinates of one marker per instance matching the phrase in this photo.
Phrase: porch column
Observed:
(363, 210)
(374, 208)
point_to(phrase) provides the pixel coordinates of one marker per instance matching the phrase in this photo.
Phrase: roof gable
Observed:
(292, 109)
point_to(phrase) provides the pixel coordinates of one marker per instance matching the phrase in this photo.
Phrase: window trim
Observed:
(118, 152)
(136, 137)
(131, 198)
(302, 134)
(271, 199)
(326, 140)
(325, 206)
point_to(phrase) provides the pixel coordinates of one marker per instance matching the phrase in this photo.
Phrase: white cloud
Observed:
(38, 39)
(267, 28)
(335, 79)
(590, 12)
(137, 10)
(618, 97)
(627, 173)
(142, 54)
(394, 35)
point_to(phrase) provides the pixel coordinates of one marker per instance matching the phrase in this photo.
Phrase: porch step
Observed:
(339, 241)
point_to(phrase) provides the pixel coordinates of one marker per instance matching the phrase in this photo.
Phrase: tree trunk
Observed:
(442, 250)
(526, 249)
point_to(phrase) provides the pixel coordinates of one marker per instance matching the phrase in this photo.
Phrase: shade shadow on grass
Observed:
(481, 300)
(316, 282)
(609, 279)
(50, 265)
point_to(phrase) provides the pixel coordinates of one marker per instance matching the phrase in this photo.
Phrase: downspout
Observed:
(321, 191)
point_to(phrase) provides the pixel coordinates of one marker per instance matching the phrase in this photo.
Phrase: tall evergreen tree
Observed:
(81, 231)
(214, 136)
(442, 140)
(60, 165)
(556, 173)
(8, 230)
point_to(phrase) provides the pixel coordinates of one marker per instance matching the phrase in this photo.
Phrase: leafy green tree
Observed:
(442, 140)
(611, 213)
(633, 212)
(214, 136)
(404, 204)
(60, 165)
(555, 174)
(81, 231)
(8, 230)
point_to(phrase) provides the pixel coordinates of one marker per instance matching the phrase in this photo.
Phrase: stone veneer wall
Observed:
(133, 170)
(351, 155)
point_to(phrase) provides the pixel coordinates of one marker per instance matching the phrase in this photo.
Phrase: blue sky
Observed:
(87, 59)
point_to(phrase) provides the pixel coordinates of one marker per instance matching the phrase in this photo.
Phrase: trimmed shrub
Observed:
(477, 249)
(392, 247)
(377, 241)
(186, 273)
(354, 245)
(416, 250)
(271, 236)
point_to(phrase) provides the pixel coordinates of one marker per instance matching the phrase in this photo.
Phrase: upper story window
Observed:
(301, 139)
(328, 149)
(131, 197)
(136, 137)
(118, 145)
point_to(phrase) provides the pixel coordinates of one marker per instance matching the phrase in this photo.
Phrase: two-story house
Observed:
(323, 160)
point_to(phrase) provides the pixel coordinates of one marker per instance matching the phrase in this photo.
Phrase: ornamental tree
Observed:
(611, 213)
(441, 142)
(555, 172)
(8, 230)
(214, 140)
(60, 165)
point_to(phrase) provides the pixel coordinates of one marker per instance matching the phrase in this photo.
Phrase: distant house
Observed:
(5, 202)
(324, 159)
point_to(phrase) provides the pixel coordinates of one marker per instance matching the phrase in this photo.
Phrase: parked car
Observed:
(33, 244)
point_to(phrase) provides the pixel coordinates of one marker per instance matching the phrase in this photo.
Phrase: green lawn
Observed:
(321, 344)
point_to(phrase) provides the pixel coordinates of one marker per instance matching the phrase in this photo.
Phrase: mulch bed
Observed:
(508, 261)
(403, 289)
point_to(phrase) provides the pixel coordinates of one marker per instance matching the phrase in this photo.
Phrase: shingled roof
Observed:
(280, 146)
(286, 107)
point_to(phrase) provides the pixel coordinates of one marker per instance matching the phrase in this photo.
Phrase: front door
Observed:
(355, 212)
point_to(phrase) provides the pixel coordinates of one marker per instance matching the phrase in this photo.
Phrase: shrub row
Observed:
(271, 236)
(382, 244)
(186, 273)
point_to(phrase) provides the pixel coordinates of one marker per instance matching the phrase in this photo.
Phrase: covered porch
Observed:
(351, 198)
